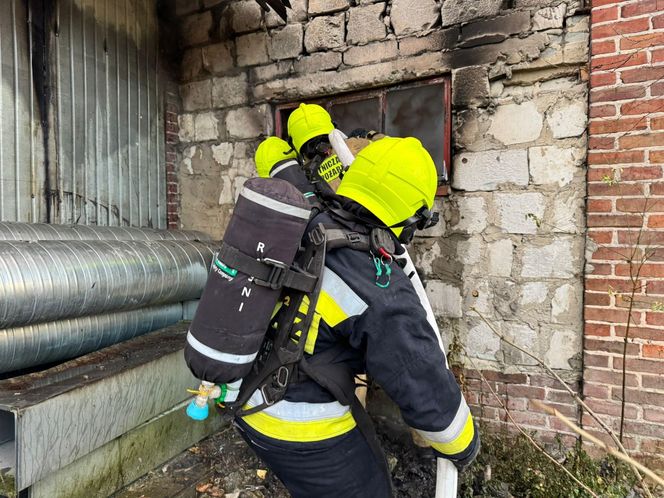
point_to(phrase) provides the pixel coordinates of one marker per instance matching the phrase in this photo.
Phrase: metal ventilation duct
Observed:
(53, 280)
(47, 231)
(33, 345)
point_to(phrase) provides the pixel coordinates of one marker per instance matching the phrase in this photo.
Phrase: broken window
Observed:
(420, 109)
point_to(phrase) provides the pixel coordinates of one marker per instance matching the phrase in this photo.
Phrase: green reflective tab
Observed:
(226, 269)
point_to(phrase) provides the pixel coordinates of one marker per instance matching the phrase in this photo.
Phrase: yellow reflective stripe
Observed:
(329, 310)
(312, 335)
(460, 443)
(301, 432)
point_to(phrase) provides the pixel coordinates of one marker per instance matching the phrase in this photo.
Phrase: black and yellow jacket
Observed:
(382, 332)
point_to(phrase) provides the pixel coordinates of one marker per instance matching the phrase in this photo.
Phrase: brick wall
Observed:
(512, 237)
(625, 198)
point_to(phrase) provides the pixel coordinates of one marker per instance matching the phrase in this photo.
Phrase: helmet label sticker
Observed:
(330, 168)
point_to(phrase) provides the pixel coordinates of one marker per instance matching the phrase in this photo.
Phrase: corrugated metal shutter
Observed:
(99, 104)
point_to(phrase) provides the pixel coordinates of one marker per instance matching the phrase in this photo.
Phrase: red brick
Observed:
(492, 375)
(635, 205)
(641, 173)
(648, 334)
(607, 284)
(601, 143)
(611, 377)
(605, 407)
(643, 429)
(623, 157)
(613, 62)
(602, 15)
(600, 269)
(657, 156)
(642, 107)
(647, 270)
(620, 28)
(639, 365)
(600, 236)
(625, 220)
(529, 419)
(612, 253)
(597, 299)
(642, 41)
(655, 318)
(597, 391)
(654, 415)
(619, 93)
(596, 174)
(596, 360)
(652, 382)
(609, 315)
(603, 47)
(654, 351)
(657, 123)
(642, 74)
(658, 22)
(615, 125)
(596, 329)
(602, 79)
(532, 392)
(656, 221)
(646, 140)
(600, 3)
(642, 7)
(657, 89)
(599, 206)
(629, 237)
(657, 55)
(602, 111)
(655, 287)
(612, 346)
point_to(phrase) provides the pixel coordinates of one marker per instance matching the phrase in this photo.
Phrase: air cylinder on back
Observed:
(268, 222)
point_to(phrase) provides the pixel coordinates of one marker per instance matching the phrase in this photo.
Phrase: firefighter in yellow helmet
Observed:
(311, 132)
(368, 319)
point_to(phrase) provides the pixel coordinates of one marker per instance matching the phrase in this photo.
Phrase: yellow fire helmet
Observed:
(395, 179)
(271, 151)
(306, 122)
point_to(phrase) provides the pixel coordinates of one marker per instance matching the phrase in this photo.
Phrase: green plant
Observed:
(519, 469)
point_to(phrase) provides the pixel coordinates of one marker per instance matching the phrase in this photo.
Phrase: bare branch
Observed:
(571, 392)
(601, 444)
(524, 433)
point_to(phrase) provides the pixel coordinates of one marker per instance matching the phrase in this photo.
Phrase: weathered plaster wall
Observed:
(511, 243)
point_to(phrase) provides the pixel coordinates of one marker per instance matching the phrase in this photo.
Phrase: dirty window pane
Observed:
(418, 112)
(357, 114)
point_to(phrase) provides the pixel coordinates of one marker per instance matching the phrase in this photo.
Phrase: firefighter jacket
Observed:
(383, 332)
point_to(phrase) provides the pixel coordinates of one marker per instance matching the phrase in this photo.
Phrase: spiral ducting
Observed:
(33, 345)
(46, 231)
(53, 280)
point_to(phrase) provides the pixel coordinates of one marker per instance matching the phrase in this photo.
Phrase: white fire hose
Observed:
(446, 472)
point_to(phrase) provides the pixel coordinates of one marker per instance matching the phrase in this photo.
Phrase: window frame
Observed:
(381, 94)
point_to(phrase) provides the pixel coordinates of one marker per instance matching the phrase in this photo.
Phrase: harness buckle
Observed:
(317, 235)
(269, 401)
(281, 377)
(277, 276)
(354, 238)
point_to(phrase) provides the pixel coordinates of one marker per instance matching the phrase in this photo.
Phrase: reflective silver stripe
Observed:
(274, 204)
(237, 359)
(282, 167)
(293, 411)
(350, 303)
(453, 431)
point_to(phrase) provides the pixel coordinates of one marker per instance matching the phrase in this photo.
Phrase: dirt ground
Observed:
(223, 466)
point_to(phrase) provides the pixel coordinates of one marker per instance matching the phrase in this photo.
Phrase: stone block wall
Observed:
(511, 239)
(625, 214)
